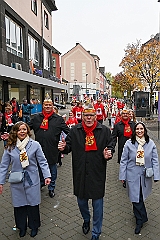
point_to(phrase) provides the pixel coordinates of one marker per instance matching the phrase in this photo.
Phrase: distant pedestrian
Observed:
(156, 106)
(132, 115)
(15, 106)
(100, 111)
(72, 121)
(26, 110)
(91, 146)
(8, 120)
(139, 156)
(77, 111)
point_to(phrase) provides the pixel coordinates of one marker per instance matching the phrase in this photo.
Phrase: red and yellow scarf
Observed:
(8, 118)
(44, 124)
(90, 139)
(127, 128)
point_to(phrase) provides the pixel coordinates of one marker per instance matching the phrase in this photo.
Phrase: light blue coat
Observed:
(134, 174)
(22, 193)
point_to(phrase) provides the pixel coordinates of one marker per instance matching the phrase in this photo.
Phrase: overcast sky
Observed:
(104, 27)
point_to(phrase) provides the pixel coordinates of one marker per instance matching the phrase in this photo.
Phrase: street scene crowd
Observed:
(33, 162)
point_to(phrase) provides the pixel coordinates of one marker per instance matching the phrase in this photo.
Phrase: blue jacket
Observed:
(22, 193)
(26, 108)
(133, 174)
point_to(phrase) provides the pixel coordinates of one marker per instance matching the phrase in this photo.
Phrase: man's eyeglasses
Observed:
(88, 115)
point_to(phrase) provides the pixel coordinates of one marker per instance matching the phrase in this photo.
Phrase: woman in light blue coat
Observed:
(139, 154)
(23, 153)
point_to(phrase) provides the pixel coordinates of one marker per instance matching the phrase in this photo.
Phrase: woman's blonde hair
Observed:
(11, 142)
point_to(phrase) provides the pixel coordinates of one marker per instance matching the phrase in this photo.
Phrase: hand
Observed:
(1, 188)
(5, 136)
(47, 181)
(107, 153)
(62, 144)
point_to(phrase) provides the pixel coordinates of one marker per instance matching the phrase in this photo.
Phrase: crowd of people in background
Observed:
(82, 131)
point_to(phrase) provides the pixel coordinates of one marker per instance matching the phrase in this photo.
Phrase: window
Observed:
(46, 23)
(33, 50)
(84, 72)
(72, 71)
(54, 66)
(14, 39)
(54, 61)
(46, 57)
(34, 6)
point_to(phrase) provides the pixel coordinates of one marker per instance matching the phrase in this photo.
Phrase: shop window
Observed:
(46, 57)
(46, 21)
(33, 50)
(34, 6)
(14, 39)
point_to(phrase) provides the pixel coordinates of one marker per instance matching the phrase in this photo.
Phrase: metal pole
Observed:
(86, 82)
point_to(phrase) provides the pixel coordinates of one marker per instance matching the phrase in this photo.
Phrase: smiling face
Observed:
(22, 132)
(125, 114)
(48, 106)
(140, 130)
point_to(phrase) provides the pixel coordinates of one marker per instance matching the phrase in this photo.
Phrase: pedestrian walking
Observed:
(139, 164)
(91, 146)
(8, 120)
(26, 110)
(15, 106)
(47, 127)
(77, 111)
(72, 121)
(122, 131)
(23, 153)
(100, 111)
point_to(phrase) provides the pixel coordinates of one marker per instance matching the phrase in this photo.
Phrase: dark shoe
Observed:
(86, 227)
(124, 184)
(94, 238)
(22, 233)
(138, 228)
(51, 193)
(34, 232)
(145, 220)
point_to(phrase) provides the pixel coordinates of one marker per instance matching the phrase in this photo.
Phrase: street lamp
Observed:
(86, 82)
(75, 80)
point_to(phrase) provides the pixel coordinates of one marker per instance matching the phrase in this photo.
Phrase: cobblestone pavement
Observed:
(60, 217)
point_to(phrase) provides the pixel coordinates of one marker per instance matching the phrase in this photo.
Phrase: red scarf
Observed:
(8, 118)
(14, 106)
(127, 128)
(90, 140)
(44, 124)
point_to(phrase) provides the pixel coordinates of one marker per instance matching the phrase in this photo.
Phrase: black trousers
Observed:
(140, 210)
(24, 213)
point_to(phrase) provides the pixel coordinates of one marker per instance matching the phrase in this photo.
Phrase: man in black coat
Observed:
(91, 146)
(47, 128)
(122, 131)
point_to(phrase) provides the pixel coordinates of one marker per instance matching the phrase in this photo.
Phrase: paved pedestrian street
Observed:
(60, 217)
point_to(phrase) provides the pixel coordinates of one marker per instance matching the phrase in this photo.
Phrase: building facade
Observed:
(81, 69)
(29, 64)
